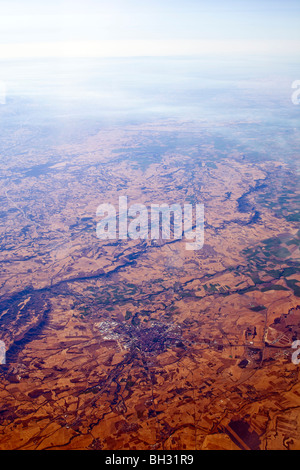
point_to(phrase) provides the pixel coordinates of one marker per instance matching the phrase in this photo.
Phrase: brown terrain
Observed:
(142, 344)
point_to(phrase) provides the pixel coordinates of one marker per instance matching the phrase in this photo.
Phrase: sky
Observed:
(121, 28)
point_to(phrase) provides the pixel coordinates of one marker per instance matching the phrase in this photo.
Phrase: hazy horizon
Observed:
(130, 28)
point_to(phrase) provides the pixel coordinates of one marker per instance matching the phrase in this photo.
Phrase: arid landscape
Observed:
(142, 344)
